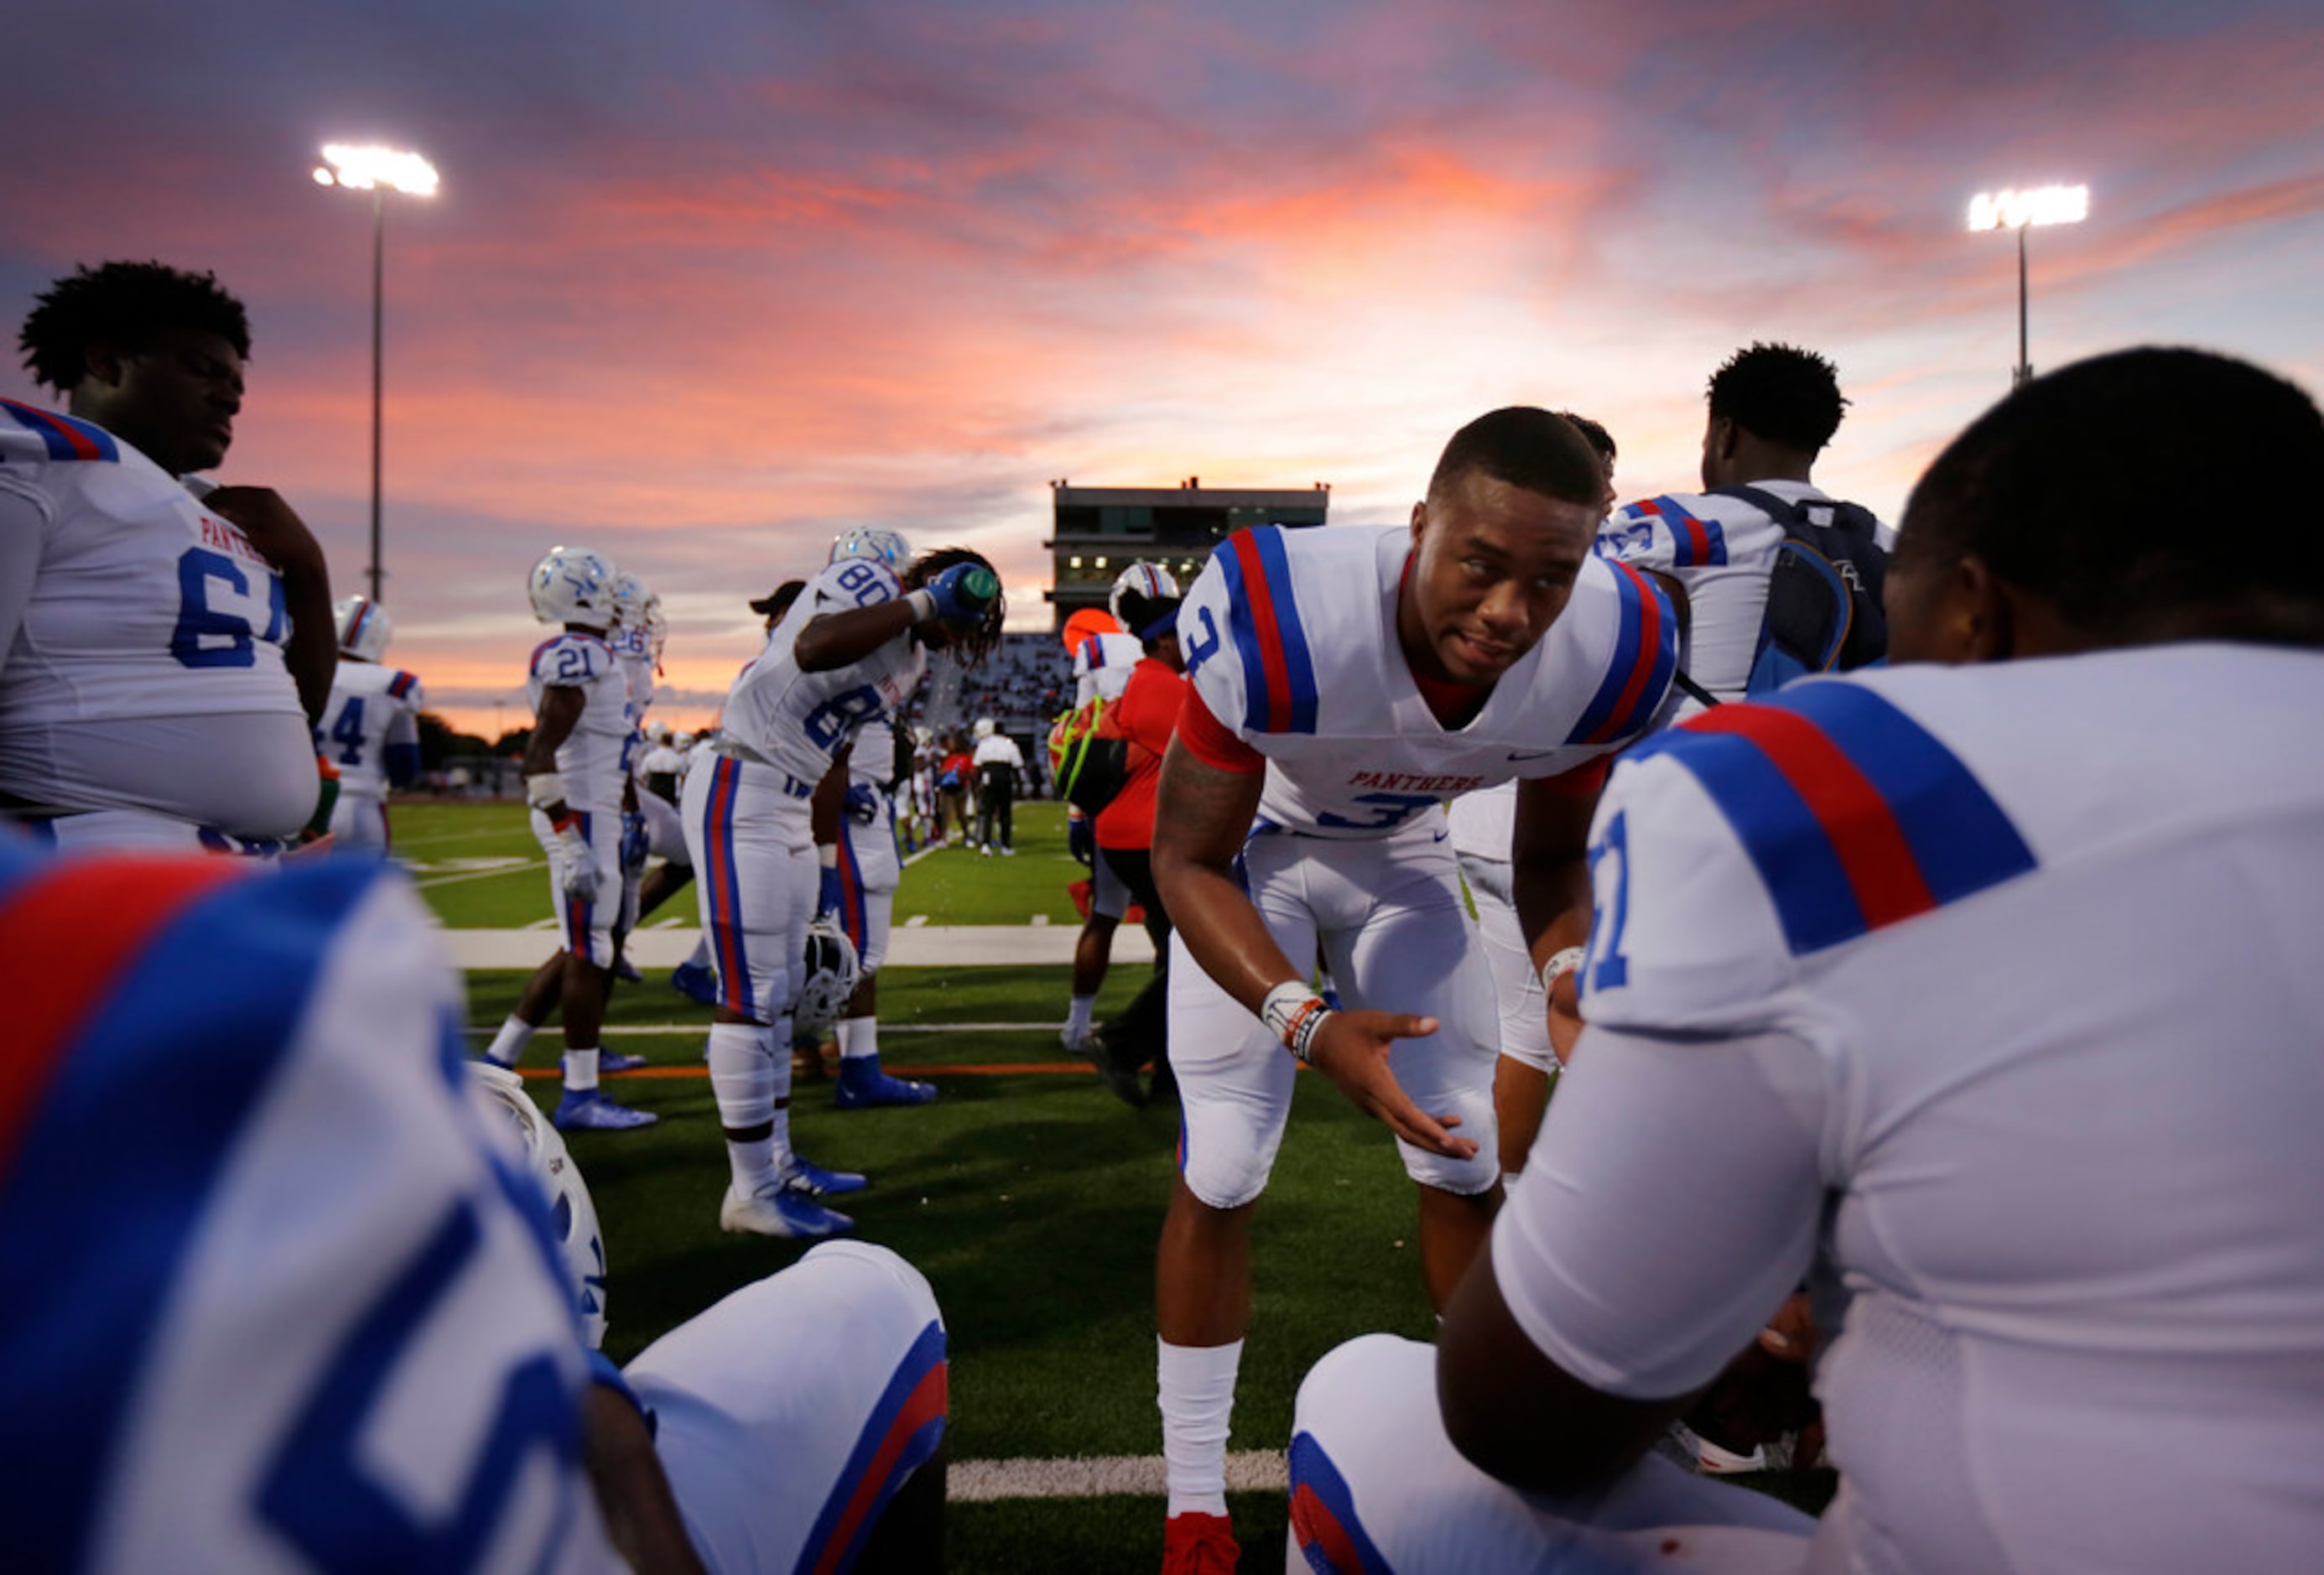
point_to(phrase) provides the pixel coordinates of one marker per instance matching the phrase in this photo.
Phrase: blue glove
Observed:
(633, 842)
(827, 900)
(1081, 840)
(863, 802)
(964, 592)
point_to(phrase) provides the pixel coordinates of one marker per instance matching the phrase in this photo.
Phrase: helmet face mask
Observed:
(364, 628)
(573, 584)
(499, 1096)
(832, 972)
(886, 547)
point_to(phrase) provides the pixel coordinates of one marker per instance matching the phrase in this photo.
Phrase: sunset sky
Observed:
(707, 283)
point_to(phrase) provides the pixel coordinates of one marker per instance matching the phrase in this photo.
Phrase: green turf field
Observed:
(1030, 1197)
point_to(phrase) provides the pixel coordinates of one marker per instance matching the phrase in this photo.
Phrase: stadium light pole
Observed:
(378, 170)
(2021, 211)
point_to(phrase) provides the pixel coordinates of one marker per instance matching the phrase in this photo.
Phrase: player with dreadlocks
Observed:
(852, 648)
(164, 643)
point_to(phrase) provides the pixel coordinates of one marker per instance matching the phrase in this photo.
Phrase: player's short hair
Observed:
(1525, 447)
(1596, 435)
(127, 306)
(971, 646)
(2104, 486)
(1780, 394)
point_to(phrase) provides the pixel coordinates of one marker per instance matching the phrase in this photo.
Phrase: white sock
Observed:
(744, 1069)
(581, 1071)
(510, 1042)
(859, 1037)
(1196, 1384)
(1077, 1019)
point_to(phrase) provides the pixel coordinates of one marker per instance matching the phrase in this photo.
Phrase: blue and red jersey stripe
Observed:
(854, 918)
(1646, 655)
(900, 1436)
(1855, 816)
(1697, 542)
(64, 437)
(1323, 1517)
(718, 879)
(401, 685)
(1279, 674)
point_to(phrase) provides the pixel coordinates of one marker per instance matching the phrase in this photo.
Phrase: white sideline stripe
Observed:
(916, 921)
(1099, 1476)
(612, 1029)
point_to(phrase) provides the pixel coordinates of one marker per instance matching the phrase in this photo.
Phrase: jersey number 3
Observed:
(218, 613)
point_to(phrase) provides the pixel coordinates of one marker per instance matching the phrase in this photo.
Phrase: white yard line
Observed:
(1098, 1476)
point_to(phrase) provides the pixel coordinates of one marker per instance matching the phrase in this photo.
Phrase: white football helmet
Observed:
(981, 729)
(1151, 580)
(572, 1217)
(363, 628)
(574, 585)
(631, 597)
(887, 547)
(831, 973)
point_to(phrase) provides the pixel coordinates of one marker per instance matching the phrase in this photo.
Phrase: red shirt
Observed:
(1148, 714)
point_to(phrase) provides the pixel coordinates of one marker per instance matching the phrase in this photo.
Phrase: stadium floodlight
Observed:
(378, 170)
(2021, 211)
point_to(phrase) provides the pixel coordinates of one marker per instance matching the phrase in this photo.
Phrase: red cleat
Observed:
(1199, 1544)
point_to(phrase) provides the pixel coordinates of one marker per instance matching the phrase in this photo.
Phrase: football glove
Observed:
(634, 840)
(963, 592)
(579, 875)
(863, 802)
(1081, 840)
(828, 899)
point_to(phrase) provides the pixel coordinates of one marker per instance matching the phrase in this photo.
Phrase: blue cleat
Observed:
(862, 1085)
(780, 1211)
(592, 1111)
(614, 1061)
(818, 1183)
(696, 982)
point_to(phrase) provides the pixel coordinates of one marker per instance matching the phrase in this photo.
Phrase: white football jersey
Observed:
(873, 761)
(594, 759)
(373, 710)
(2058, 995)
(1290, 637)
(272, 1301)
(798, 720)
(1101, 665)
(1723, 550)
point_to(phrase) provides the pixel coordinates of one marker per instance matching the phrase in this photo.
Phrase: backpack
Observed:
(1089, 757)
(1824, 597)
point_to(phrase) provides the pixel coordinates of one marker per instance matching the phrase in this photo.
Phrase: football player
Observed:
(1773, 408)
(1102, 657)
(575, 780)
(853, 647)
(370, 729)
(863, 870)
(164, 644)
(342, 1343)
(2064, 1259)
(1342, 683)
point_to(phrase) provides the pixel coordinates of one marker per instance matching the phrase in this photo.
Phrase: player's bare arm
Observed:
(1549, 873)
(642, 1516)
(1202, 816)
(282, 539)
(834, 640)
(825, 809)
(560, 713)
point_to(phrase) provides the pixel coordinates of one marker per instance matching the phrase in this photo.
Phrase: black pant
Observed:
(1142, 1032)
(996, 798)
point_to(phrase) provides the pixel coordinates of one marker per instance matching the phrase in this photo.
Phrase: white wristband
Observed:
(1560, 965)
(826, 855)
(1292, 1013)
(542, 790)
(923, 603)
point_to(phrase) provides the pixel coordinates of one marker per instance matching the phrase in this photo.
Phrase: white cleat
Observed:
(780, 1211)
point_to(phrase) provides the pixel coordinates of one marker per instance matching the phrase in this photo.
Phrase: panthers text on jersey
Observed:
(271, 1300)
(1290, 640)
(593, 760)
(138, 606)
(799, 720)
(1721, 550)
(2005, 1020)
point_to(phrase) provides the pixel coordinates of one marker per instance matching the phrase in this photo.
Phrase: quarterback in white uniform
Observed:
(163, 643)
(849, 649)
(370, 729)
(1875, 965)
(1344, 681)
